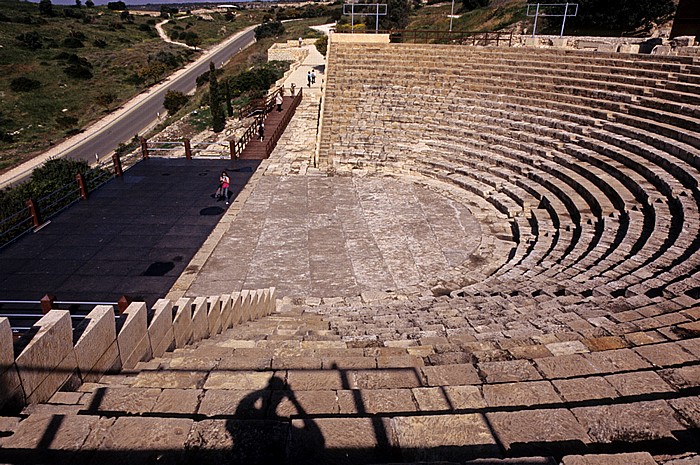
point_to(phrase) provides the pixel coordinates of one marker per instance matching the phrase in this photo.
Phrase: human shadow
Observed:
(265, 426)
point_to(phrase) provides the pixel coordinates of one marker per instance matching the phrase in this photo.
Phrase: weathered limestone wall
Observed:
(360, 38)
(54, 354)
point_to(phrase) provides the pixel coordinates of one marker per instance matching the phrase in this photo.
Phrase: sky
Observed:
(142, 2)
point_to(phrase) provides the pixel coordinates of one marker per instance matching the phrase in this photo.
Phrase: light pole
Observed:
(452, 14)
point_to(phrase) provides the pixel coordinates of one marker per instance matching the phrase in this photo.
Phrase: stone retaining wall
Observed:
(53, 355)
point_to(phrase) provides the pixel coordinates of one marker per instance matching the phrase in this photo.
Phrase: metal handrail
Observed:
(250, 133)
(264, 104)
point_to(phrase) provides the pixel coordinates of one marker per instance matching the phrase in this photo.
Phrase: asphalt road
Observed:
(104, 141)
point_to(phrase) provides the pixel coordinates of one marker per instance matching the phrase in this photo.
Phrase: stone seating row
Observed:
(268, 390)
(54, 356)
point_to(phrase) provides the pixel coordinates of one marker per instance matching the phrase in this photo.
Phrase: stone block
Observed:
(433, 438)
(373, 401)
(581, 389)
(633, 422)
(284, 404)
(273, 301)
(629, 48)
(341, 441)
(11, 393)
(634, 458)
(214, 315)
(638, 383)
(239, 380)
(244, 404)
(226, 311)
(538, 431)
(171, 379)
(566, 366)
(236, 308)
(265, 303)
(132, 337)
(130, 436)
(246, 300)
(509, 371)
(178, 401)
(160, 329)
(98, 334)
(200, 323)
(612, 361)
(663, 355)
(520, 394)
(451, 375)
(386, 379)
(110, 362)
(48, 358)
(449, 398)
(182, 322)
(128, 400)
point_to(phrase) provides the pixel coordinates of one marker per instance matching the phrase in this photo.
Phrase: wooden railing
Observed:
(238, 146)
(452, 37)
(272, 141)
(260, 105)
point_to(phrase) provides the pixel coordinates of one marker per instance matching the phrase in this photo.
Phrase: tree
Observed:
(469, 5)
(116, 6)
(126, 17)
(105, 100)
(174, 100)
(46, 8)
(229, 107)
(269, 29)
(89, 3)
(30, 40)
(396, 16)
(621, 15)
(218, 119)
(152, 71)
(78, 3)
(193, 40)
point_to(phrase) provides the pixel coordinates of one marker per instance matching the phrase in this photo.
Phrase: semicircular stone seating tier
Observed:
(594, 157)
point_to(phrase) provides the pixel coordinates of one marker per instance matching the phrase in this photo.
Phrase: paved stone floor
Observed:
(338, 236)
(132, 236)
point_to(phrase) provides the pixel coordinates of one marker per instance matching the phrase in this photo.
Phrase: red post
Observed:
(144, 148)
(123, 303)
(117, 165)
(81, 186)
(34, 211)
(188, 149)
(47, 303)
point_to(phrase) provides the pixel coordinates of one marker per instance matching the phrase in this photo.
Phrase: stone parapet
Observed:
(359, 38)
(52, 355)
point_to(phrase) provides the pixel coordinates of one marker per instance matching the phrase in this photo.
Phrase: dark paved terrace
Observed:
(133, 236)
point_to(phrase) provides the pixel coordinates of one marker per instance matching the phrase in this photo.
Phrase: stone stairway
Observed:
(289, 389)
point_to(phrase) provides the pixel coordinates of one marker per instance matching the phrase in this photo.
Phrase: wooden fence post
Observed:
(34, 212)
(47, 303)
(188, 149)
(82, 187)
(144, 148)
(117, 165)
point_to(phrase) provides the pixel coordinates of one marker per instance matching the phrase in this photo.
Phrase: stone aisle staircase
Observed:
(289, 389)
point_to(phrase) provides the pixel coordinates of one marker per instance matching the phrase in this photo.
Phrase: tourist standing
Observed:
(261, 131)
(313, 77)
(278, 101)
(222, 191)
(308, 78)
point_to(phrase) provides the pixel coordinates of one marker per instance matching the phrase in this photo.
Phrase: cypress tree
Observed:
(218, 118)
(229, 107)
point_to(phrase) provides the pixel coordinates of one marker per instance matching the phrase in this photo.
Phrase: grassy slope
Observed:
(492, 18)
(37, 119)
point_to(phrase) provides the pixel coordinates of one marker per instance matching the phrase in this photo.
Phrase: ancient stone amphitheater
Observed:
(569, 334)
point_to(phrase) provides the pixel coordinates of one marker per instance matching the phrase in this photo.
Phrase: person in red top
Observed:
(222, 191)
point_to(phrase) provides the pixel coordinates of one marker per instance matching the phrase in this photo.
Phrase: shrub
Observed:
(77, 71)
(72, 42)
(116, 6)
(99, 43)
(269, 29)
(66, 121)
(174, 100)
(322, 45)
(31, 40)
(24, 84)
